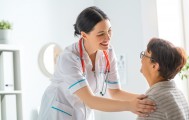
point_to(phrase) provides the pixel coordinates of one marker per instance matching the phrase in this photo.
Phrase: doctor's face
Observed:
(99, 37)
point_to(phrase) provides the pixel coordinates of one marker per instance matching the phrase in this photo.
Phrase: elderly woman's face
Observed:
(147, 65)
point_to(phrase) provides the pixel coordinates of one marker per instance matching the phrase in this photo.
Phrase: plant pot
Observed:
(5, 36)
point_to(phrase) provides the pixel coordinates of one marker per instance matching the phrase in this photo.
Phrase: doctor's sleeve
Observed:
(70, 70)
(113, 78)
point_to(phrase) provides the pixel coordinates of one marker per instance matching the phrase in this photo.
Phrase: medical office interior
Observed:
(43, 28)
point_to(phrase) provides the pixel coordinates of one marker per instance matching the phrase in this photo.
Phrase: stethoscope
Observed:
(106, 72)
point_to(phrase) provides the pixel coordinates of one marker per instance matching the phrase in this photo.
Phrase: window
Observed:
(170, 27)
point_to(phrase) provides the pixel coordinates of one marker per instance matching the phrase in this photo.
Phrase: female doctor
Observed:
(83, 73)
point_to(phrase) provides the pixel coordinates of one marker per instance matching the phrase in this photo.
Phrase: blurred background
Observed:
(37, 23)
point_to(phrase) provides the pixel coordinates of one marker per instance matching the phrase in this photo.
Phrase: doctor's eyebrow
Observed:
(100, 32)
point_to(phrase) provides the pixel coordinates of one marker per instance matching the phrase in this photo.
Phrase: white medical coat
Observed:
(59, 101)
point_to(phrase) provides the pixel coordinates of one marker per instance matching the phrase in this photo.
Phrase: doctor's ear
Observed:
(83, 35)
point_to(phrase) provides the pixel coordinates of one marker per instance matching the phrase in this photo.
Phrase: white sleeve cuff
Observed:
(77, 85)
(113, 85)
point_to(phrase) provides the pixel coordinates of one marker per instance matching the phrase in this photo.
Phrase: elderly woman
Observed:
(161, 61)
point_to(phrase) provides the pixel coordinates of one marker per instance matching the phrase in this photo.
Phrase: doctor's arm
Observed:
(119, 94)
(124, 95)
(109, 105)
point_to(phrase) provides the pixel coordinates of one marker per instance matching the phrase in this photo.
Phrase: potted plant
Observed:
(5, 31)
(184, 73)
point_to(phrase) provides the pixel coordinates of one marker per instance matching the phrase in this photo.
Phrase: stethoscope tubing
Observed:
(107, 69)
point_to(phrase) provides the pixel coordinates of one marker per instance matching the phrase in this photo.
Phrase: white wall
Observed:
(37, 22)
(185, 4)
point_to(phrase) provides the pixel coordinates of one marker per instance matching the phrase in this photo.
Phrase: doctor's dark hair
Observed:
(171, 59)
(87, 19)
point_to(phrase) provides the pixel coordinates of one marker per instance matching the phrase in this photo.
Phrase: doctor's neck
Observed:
(89, 48)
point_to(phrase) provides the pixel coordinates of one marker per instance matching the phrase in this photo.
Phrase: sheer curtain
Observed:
(171, 26)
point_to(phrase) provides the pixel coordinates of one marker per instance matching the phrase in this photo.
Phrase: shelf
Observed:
(10, 74)
(10, 92)
(4, 47)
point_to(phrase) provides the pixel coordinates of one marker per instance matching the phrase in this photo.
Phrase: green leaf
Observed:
(184, 73)
(5, 25)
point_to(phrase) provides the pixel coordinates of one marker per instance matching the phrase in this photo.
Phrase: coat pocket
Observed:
(61, 111)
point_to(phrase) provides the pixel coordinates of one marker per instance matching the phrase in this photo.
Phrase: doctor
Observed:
(83, 73)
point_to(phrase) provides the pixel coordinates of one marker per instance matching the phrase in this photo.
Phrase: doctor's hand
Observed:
(142, 106)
